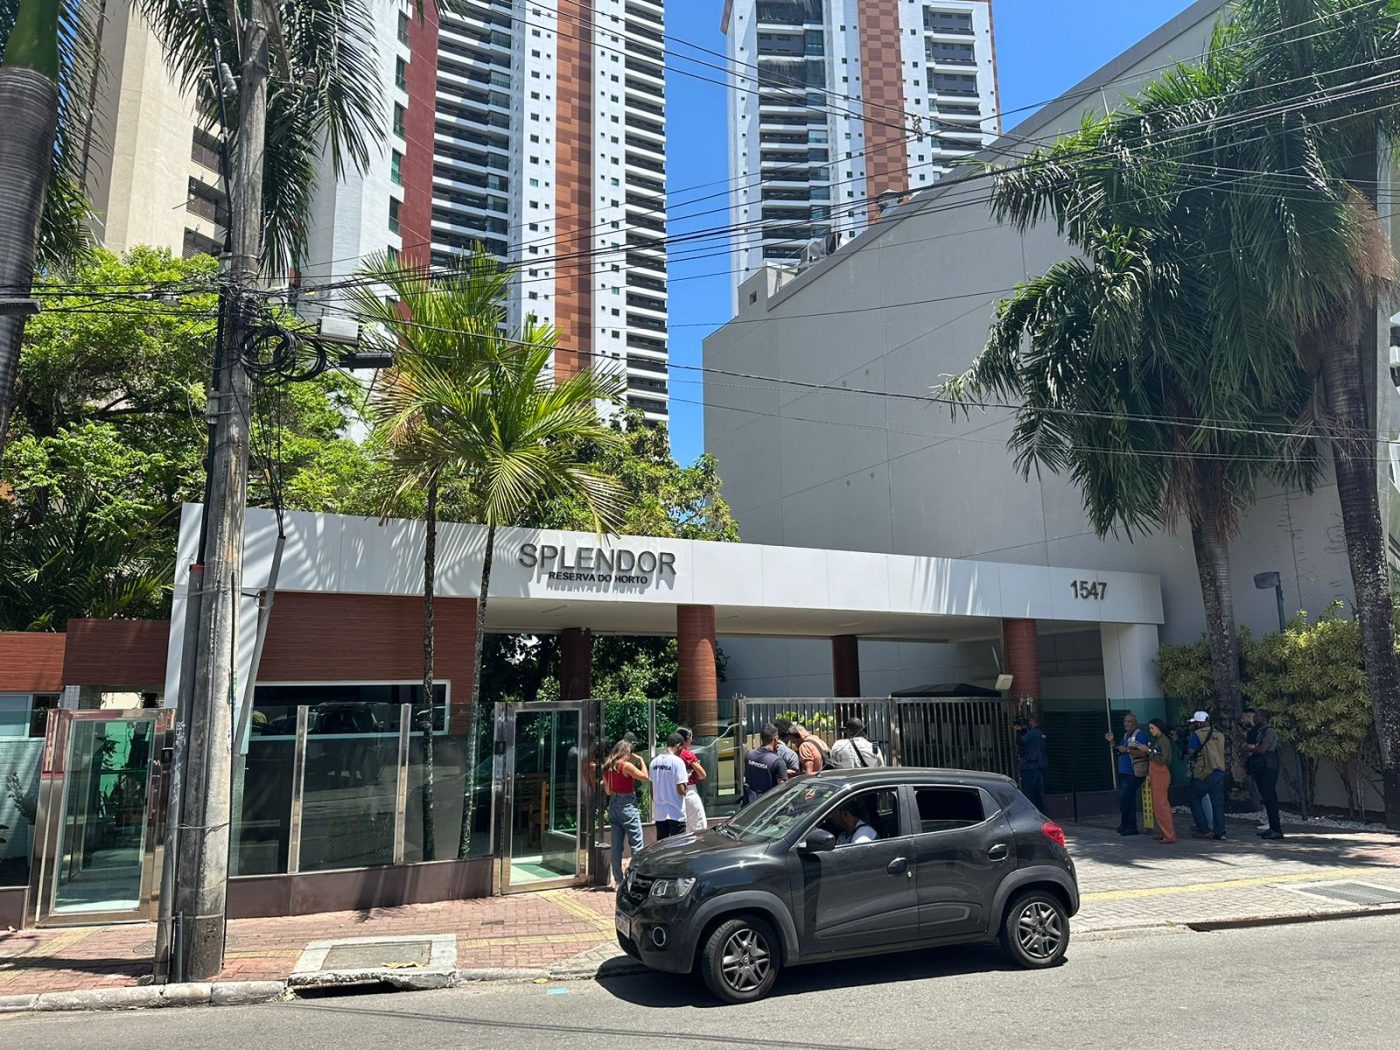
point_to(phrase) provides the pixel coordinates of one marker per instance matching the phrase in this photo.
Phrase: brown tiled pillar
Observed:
(882, 97)
(845, 665)
(697, 680)
(573, 198)
(575, 663)
(454, 652)
(1022, 657)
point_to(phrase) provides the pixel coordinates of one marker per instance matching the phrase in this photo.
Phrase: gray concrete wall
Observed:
(903, 306)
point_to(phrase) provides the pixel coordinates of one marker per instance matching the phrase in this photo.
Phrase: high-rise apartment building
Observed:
(839, 108)
(536, 128)
(150, 167)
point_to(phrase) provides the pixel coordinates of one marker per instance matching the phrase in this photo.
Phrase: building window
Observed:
(25, 715)
(393, 215)
(398, 119)
(396, 168)
(403, 28)
(401, 74)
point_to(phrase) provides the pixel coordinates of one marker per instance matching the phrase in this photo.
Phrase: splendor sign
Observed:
(597, 564)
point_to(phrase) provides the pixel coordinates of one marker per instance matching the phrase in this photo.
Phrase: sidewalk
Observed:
(1127, 884)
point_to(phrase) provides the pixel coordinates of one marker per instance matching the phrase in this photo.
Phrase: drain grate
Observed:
(1354, 893)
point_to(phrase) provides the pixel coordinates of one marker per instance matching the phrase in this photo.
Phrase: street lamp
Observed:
(1264, 581)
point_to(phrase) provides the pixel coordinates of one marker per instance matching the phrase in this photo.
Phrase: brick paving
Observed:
(1126, 883)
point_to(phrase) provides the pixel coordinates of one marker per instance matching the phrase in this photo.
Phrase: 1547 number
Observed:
(1089, 591)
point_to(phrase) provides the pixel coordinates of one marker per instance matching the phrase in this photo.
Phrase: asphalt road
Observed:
(1318, 985)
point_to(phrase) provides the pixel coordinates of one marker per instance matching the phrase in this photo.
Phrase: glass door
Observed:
(544, 820)
(100, 816)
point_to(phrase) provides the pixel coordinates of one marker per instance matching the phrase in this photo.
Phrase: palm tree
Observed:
(446, 322)
(487, 409)
(1105, 354)
(1260, 165)
(29, 98)
(519, 436)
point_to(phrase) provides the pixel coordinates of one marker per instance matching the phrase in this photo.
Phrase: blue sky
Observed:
(1042, 49)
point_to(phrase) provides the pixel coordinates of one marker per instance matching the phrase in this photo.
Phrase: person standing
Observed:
(763, 769)
(854, 751)
(621, 774)
(667, 771)
(1030, 745)
(695, 819)
(787, 754)
(1159, 771)
(696, 768)
(812, 753)
(1262, 764)
(1206, 752)
(1132, 771)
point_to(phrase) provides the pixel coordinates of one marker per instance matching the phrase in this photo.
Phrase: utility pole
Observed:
(201, 886)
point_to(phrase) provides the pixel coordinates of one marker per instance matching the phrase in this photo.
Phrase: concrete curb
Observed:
(1295, 919)
(151, 996)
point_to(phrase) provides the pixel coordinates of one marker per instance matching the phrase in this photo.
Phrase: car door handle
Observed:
(999, 852)
(898, 866)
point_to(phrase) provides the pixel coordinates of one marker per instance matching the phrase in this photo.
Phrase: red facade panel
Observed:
(31, 662)
(420, 122)
(116, 654)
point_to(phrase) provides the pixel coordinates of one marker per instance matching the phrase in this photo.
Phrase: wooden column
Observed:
(697, 680)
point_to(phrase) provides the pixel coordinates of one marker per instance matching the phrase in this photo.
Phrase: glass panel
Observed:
(433, 824)
(263, 822)
(544, 830)
(347, 815)
(104, 817)
(19, 792)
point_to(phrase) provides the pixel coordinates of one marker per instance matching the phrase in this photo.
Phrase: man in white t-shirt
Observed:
(668, 772)
(853, 830)
(854, 751)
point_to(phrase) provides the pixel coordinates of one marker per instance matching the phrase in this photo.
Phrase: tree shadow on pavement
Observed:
(620, 979)
(1104, 846)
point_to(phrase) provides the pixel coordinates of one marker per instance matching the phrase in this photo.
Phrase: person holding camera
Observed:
(1206, 752)
(1132, 771)
(1030, 744)
(1262, 764)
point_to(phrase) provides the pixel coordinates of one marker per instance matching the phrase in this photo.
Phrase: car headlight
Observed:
(671, 889)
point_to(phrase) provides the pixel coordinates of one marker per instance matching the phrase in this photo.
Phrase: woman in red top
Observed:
(621, 773)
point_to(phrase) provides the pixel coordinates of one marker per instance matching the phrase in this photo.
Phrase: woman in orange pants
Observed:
(1159, 769)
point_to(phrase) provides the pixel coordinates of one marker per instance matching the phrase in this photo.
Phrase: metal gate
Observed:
(544, 774)
(943, 733)
(100, 821)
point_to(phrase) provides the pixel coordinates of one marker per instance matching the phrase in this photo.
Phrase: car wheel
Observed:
(1035, 932)
(740, 960)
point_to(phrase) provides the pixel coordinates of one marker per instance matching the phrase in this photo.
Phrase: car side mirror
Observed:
(818, 840)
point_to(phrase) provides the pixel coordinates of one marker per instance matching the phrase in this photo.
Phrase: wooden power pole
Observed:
(201, 884)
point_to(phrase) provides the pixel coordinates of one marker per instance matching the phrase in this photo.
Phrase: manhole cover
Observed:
(376, 956)
(1355, 893)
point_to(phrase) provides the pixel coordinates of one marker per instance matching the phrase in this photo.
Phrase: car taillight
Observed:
(1053, 832)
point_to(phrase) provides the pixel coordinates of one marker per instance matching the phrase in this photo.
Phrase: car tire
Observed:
(740, 960)
(1035, 930)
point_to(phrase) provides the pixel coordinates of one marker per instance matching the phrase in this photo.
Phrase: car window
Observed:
(778, 812)
(877, 809)
(947, 808)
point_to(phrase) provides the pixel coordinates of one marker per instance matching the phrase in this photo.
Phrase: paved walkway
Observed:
(1127, 884)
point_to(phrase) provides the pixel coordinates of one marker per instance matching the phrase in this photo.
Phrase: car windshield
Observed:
(777, 813)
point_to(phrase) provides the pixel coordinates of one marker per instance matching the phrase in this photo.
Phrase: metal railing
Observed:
(950, 733)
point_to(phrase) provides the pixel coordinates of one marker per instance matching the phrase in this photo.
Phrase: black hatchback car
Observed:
(850, 863)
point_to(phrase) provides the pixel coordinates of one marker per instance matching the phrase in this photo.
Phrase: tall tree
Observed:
(29, 99)
(106, 442)
(443, 324)
(1265, 155)
(480, 402)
